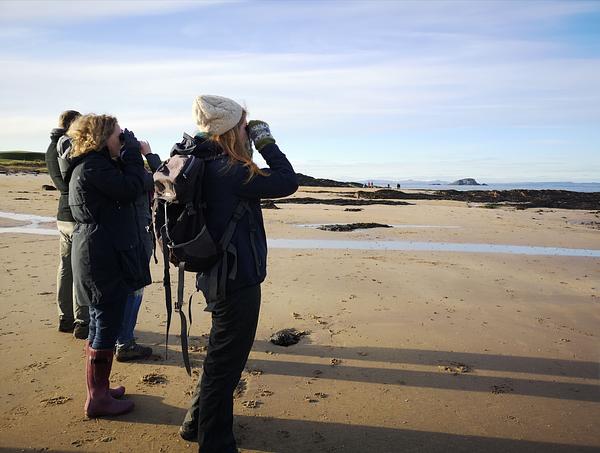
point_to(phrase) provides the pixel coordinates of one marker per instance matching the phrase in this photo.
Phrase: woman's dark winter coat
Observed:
(107, 255)
(224, 186)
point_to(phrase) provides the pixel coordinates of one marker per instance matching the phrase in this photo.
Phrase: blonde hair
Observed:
(90, 133)
(231, 143)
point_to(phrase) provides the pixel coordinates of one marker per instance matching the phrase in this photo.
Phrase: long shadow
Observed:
(469, 382)
(492, 362)
(306, 436)
(302, 436)
(438, 380)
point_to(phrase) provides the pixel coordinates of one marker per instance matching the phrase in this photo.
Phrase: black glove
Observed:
(259, 133)
(129, 142)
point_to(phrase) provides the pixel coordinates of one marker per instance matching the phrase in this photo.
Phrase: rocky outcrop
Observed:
(465, 182)
(522, 199)
(340, 201)
(352, 226)
(305, 180)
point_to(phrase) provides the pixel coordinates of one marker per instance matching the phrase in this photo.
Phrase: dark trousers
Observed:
(105, 323)
(232, 333)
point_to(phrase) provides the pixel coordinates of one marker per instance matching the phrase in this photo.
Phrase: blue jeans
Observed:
(105, 324)
(132, 308)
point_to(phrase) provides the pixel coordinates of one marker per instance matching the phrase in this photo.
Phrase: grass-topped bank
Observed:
(22, 161)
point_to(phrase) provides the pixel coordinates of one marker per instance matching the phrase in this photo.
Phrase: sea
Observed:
(574, 187)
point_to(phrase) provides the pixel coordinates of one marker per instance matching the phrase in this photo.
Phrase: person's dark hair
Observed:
(67, 117)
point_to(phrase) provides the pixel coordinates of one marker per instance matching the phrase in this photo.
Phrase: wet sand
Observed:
(407, 351)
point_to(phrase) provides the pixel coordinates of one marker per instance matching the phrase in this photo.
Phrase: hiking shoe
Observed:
(132, 351)
(65, 325)
(186, 432)
(81, 331)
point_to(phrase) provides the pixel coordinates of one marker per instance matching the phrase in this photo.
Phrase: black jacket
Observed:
(107, 253)
(64, 212)
(224, 187)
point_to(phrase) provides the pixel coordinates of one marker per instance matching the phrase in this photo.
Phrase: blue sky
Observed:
(499, 91)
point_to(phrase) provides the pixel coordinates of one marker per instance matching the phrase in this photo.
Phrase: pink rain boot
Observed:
(117, 392)
(100, 402)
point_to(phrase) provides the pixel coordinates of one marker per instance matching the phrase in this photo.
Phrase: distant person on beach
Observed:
(107, 176)
(127, 349)
(231, 177)
(73, 313)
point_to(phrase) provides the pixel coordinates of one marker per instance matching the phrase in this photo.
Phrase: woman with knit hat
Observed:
(231, 178)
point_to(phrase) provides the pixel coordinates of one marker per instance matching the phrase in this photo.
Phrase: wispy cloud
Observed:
(394, 77)
(64, 11)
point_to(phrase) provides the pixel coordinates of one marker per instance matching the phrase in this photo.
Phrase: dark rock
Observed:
(353, 209)
(268, 204)
(48, 187)
(287, 337)
(518, 198)
(465, 182)
(305, 180)
(387, 194)
(340, 201)
(352, 226)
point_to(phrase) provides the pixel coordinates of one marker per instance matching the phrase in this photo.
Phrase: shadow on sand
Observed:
(549, 370)
(301, 436)
(306, 436)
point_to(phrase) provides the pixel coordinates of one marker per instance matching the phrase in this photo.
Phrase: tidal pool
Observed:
(34, 227)
(413, 246)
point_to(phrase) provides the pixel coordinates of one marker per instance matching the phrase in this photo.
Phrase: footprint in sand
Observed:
(19, 410)
(501, 388)
(254, 371)
(55, 401)
(251, 404)
(35, 366)
(317, 437)
(154, 379)
(265, 392)
(455, 368)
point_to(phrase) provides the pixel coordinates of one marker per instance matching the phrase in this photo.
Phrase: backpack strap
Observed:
(166, 283)
(178, 308)
(253, 230)
(216, 285)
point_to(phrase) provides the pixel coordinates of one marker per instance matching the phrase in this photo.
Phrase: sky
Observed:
(353, 90)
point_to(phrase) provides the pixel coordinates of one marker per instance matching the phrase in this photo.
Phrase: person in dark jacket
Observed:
(230, 178)
(107, 256)
(127, 348)
(73, 313)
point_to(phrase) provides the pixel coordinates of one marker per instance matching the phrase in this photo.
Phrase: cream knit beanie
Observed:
(215, 115)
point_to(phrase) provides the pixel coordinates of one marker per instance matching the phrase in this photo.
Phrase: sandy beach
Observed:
(407, 351)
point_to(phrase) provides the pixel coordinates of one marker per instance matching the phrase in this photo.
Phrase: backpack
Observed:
(182, 234)
(63, 151)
